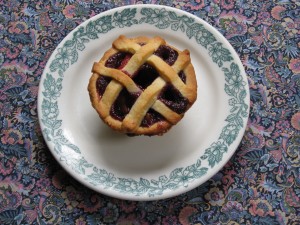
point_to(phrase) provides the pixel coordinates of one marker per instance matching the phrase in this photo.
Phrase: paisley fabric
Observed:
(259, 185)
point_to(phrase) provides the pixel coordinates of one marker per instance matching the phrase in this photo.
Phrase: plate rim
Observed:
(178, 190)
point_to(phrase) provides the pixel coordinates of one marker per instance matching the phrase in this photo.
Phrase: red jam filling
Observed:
(167, 54)
(118, 60)
(143, 78)
(151, 118)
(182, 76)
(171, 97)
(123, 104)
(101, 84)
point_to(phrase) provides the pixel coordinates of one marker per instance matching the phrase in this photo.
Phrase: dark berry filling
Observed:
(167, 54)
(123, 104)
(118, 60)
(173, 99)
(151, 118)
(145, 76)
(101, 84)
(182, 76)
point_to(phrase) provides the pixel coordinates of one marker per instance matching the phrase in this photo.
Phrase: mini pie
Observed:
(142, 86)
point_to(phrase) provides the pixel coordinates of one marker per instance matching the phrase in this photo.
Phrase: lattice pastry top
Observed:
(142, 85)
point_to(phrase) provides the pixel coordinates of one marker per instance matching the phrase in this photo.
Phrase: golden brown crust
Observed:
(149, 97)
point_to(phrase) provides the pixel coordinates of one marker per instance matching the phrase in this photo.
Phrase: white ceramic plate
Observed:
(144, 168)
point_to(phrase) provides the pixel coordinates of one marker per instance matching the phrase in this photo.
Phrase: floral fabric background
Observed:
(259, 185)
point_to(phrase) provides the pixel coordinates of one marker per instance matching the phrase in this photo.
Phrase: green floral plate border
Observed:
(181, 179)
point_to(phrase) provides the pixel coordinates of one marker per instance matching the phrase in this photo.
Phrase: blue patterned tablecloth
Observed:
(259, 185)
